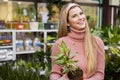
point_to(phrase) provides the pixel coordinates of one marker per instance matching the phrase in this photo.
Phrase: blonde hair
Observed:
(63, 31)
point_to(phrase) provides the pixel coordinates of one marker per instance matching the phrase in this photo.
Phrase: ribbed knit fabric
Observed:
(75, 40)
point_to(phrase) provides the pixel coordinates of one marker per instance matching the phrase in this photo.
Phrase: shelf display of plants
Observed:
(29, 41)
(5, 38)
(23, 14)
(2, 24)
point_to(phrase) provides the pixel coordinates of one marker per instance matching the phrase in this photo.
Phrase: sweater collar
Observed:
(76, 34)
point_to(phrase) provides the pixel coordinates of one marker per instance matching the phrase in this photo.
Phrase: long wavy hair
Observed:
(89, 46)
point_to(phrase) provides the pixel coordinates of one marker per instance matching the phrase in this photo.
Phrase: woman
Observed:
(74, 30)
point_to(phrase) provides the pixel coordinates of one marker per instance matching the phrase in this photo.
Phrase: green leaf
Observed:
(66, 70)
(110, 34)
(62, 47)
(59, 62)
(114, 50)
(58, 56)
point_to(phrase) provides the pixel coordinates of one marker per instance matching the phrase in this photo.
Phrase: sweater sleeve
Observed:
(56, 70)
(99, 74)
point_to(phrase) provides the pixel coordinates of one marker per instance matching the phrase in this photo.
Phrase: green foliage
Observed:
(96, 31)
(19, 11)
(43, 58)
(32, 12)
(112, 69)
(39, 57)
(8, 72)
(64, 59)
(26, 70)
(111, 37)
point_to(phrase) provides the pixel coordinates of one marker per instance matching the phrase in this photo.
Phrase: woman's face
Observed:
(76, 18)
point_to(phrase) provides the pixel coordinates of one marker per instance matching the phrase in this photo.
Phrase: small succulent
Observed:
(64, 59)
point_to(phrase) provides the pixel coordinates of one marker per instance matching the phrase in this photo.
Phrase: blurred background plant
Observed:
(97, 31)
(36, 68)
(111, 38)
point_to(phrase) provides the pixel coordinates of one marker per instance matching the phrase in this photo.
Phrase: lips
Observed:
(81, 23)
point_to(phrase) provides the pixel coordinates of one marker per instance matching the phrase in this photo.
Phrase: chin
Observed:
(82, 26)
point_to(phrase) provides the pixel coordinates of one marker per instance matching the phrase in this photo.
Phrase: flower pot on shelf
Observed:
(19, 26)
(34, 25)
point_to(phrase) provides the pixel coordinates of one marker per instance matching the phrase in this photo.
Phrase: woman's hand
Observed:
(63, 78)
(54, 76)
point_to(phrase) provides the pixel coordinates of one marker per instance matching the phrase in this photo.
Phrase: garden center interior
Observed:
(28, 29)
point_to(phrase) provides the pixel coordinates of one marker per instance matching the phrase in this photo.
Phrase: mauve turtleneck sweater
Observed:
(75, 40)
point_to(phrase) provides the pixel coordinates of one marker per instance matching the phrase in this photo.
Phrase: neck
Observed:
(77, 34)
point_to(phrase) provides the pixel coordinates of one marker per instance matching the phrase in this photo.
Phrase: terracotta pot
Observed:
(77, 76)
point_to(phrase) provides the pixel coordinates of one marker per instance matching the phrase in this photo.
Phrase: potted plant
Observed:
(64, 59)
(111, 37)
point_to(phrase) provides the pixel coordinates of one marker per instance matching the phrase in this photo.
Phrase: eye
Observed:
(81, 13)
(74, 15)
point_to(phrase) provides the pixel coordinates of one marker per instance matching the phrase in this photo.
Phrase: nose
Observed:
(80, 17)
